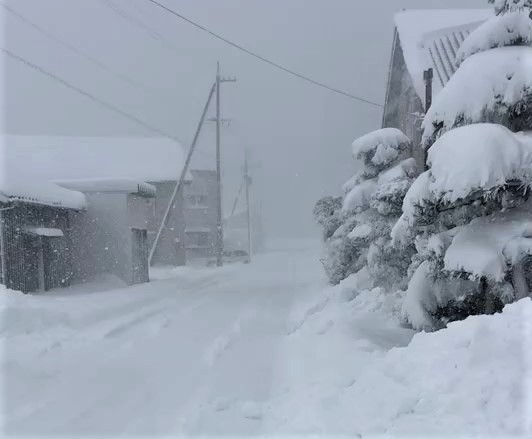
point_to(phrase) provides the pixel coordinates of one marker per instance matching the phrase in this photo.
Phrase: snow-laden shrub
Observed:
(371, 205)
(504, 6)
(512, 29)
(468, 213)
(472, 208)
(494, 86)
(327, 214)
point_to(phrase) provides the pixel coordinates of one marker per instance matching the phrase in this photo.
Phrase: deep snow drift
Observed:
(265, 349)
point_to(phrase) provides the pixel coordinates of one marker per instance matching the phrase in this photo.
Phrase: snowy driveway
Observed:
(192, 354)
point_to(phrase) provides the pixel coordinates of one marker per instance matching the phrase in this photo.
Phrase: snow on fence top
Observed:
(60, 158)
(503, 80)
(514, 28)
(99, 185)
(413, 27)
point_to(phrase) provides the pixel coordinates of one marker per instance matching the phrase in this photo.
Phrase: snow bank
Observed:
(384, 143)
(489, 245)
(503, 80)
(503, 30)
(479, 156)
(473, 378)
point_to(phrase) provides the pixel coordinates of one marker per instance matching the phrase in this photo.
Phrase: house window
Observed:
(196, 200)
(197, 239)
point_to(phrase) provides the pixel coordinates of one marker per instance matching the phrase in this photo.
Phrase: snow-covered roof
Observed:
(58, 158)
(425, 31)
(99, 185)
(40, 192)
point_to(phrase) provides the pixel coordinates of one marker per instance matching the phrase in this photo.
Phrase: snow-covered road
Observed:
(194, 353)
(260, 349)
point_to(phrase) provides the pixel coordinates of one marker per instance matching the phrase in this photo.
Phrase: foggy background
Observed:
(299, 135)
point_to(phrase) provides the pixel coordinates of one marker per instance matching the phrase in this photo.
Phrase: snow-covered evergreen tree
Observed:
(493, 82)
(504, 6)
(371, 205)
(469, 213)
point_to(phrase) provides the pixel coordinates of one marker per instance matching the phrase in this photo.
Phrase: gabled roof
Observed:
(58, 158)
(430, 38)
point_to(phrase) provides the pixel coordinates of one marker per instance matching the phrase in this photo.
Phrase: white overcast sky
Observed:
(299, 135)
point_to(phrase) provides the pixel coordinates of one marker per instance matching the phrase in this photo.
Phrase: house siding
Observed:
(204, 183)
(404, 109)
(19, 261)
(103, 236)
(170, 249)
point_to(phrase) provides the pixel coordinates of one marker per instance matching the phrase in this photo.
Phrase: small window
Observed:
(197, 239)
(197, 200)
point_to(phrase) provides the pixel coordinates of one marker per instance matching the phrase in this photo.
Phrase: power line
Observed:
(75, 50)
(131, 19)
(268, 61)
(88, 95)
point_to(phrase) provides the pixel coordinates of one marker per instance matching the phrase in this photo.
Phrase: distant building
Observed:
(200, 214)
(423, 39)
(36, 234)
(236, 231)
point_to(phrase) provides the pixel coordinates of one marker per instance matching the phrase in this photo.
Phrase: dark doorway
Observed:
(140, 256)
(33, 263)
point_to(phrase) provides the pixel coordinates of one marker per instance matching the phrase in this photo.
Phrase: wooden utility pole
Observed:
(179, 184)
(219, 217)
(247, 182)
(427, 76)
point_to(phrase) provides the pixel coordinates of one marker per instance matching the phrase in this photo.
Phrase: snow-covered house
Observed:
(200, 214)
(118, 168)
(36, 233)
(423, 39)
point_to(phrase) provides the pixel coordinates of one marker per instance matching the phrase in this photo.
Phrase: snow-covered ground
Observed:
(259, 349)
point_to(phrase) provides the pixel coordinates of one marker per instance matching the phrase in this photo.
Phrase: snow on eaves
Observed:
(40, 192)
(502, 30)
(488, 246)
(469, 94)
(100, 185)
